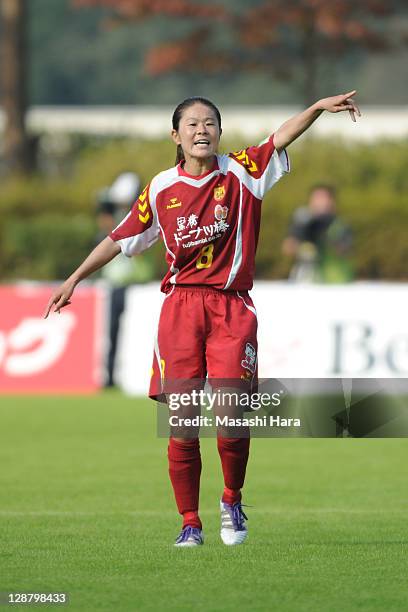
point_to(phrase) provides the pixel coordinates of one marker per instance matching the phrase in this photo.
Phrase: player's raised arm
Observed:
(101, 255)
(294, 127)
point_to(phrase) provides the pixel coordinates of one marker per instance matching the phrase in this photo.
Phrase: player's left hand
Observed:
(60, 297)
(337, 104)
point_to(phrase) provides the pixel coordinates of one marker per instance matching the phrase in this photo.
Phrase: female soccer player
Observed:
(207, 209)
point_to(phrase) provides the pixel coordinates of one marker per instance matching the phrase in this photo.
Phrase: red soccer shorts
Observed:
(204, 332)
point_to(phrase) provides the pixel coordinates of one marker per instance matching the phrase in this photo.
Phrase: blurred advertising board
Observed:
(62, 354)
(358, 330)
(305, 331)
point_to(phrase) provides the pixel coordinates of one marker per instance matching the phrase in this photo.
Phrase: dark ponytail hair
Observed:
(178, 113)
(179, 155)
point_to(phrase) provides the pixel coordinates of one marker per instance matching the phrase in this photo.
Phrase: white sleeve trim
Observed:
(134, 245)
(278, 166)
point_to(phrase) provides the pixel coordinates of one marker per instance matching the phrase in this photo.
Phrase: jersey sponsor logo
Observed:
(219, 193)
(186, 222)
(249, 363)
(220, 212)
(142, 205)
(245, 161)
(175, 203)
(190, 233)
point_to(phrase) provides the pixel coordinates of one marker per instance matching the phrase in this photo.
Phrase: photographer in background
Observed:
(113, 205)
(318, 241)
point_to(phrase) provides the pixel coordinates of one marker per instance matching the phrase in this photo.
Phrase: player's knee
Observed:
(186, 438)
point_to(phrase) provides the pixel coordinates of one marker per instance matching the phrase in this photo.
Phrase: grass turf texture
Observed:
(86, 508)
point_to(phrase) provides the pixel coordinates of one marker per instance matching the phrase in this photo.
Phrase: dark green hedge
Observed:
(47, 225)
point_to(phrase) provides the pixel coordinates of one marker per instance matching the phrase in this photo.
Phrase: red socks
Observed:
(185, 470)
(231, 496)
(234, 458)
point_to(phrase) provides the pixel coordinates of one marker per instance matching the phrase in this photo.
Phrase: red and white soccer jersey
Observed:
(209, 223)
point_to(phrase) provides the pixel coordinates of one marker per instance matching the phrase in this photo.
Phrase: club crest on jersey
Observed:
(220, 212)
(249, 363)
(219, 193)
(174, 203)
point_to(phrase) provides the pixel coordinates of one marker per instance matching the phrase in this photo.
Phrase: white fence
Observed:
(251, 121)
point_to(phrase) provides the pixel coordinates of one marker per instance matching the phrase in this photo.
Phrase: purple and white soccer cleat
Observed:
(233, 528)
(190, 536)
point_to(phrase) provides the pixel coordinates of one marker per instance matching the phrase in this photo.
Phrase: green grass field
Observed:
(86, 508)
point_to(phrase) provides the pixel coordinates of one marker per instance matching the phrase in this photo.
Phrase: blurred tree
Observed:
(301, 33)
(13, 84)
(139, 9)
(168, 56)
(288, 38)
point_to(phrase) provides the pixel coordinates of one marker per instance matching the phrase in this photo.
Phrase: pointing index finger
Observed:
(354, 110)
(48, 308)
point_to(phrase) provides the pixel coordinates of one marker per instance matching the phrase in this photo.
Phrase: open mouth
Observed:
(202, 141)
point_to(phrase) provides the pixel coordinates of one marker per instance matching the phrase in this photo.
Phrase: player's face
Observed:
(198, 133)
(321, 202)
